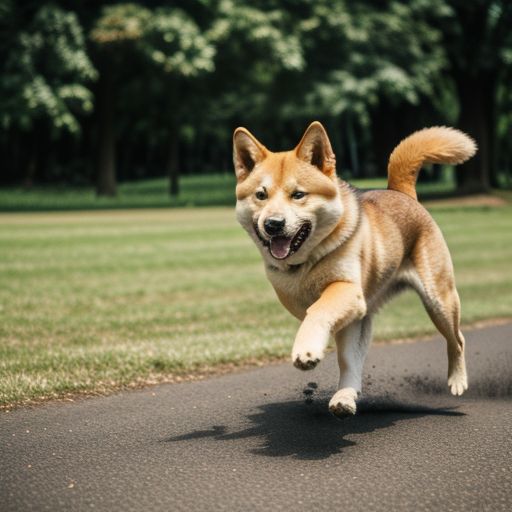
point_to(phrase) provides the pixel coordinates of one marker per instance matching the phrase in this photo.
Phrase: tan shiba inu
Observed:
(334, 254)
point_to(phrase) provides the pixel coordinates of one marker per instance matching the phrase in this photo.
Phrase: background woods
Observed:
(102, 92)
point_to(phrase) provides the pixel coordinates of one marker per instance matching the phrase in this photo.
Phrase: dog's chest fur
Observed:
(298, 288)
(376, 257)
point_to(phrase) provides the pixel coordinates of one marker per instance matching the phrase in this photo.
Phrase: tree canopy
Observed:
(46, 74)
(129, 90)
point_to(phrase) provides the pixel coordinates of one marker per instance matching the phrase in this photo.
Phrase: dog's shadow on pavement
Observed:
(309, 431)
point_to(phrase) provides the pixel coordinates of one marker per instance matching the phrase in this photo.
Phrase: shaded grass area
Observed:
(198, 190)
(97, 300)
(208, 190)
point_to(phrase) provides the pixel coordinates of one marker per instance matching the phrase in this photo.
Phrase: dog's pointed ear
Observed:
(315, 149)
(247, 152)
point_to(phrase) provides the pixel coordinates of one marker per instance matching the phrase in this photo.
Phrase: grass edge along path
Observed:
(206, 372)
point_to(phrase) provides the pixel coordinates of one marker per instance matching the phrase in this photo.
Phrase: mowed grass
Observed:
(93, 301)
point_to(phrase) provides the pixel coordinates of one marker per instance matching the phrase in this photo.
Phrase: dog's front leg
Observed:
(352, 344)
(339, 305)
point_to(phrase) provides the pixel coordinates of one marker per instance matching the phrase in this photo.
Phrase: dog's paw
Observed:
(343, 403)
(457, 378)
(306, 360)
(458, 382)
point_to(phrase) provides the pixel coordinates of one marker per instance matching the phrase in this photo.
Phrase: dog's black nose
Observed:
(274, 225)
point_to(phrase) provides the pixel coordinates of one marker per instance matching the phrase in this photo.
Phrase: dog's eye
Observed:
(261, 195)
(298, 194)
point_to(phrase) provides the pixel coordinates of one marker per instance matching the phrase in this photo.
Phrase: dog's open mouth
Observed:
(280, 247)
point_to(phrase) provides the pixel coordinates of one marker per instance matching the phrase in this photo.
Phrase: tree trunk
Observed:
(106, 184)
(476, 99)
(12, 156)
(32, 161)
(172, 163)
(352, 146)
(30, 172)
(389, 125)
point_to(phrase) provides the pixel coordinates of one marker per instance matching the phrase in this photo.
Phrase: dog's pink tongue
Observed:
(280, 247)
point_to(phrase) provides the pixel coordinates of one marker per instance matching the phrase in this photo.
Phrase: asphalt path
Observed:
(264, 440)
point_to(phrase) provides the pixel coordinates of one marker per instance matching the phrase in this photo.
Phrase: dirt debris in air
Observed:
(308, 392)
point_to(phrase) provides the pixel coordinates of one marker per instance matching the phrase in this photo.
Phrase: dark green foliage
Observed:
(100, 91)
(46, 73)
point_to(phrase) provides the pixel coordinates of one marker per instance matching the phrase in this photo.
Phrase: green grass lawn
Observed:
(96, 300)
(198, 190)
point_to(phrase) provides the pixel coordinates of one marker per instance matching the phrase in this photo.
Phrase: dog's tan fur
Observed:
(362, 248)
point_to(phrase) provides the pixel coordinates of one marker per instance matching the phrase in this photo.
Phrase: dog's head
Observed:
(288, 201)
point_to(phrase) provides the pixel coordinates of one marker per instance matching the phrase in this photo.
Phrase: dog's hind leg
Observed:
(436, 287)
(444, 310)
(352, 346)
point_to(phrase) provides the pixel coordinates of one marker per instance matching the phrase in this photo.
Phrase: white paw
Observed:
(343, 403)
(457, 377)
(307, 360)
(458, 382)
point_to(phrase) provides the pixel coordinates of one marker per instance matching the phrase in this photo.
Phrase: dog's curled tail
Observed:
(436, 145)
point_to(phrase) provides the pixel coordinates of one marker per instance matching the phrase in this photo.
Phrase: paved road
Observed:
(249, 441)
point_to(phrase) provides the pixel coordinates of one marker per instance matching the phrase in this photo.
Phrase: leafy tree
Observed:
(360, 56)
(116, 36)
(180, 55)
(45, 81)
(255, 43)
(477, 39)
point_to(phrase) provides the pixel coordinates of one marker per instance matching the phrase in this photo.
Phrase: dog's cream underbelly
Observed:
(404, 278)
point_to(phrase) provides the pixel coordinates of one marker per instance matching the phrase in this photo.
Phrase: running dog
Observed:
(335, 254)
